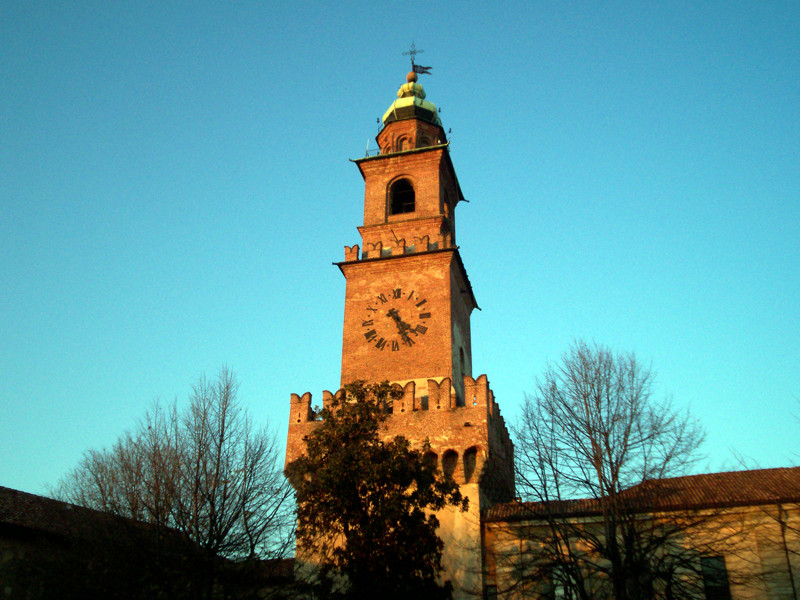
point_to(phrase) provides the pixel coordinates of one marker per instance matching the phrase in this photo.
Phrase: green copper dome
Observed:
(411, 104)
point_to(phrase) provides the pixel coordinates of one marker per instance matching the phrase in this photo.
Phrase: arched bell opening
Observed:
(401, 197)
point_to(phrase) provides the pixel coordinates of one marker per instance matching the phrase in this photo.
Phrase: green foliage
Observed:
(364, 505)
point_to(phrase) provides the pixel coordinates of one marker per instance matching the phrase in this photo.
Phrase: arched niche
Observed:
(431, 459)
(470, 461)
(449, 463)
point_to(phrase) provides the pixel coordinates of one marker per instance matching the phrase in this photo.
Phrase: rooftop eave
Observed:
(358, 161)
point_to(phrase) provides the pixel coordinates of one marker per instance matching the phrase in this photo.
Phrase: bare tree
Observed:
(206, 472)
(587, 443)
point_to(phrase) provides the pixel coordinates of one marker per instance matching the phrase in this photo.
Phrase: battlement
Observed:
(397, 247)
(437, 396)
(468, 439)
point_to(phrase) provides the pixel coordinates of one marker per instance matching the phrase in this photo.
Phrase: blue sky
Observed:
(175, 184)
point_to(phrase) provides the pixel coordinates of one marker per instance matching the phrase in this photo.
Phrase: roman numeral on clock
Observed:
(371, 335)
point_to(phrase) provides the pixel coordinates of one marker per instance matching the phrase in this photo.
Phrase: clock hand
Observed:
(402, 326)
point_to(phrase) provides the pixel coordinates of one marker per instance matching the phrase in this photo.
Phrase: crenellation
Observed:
(440, 397)
(476, 391)
(439, 394)
(406, 403)
(301, 408)
(351, 253)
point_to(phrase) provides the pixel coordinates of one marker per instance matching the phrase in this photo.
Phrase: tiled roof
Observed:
(710, 490)
(29, 511)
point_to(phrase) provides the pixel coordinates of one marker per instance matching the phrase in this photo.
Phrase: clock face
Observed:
(395, 319)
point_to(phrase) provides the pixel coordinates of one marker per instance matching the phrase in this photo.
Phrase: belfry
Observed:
(407, 310)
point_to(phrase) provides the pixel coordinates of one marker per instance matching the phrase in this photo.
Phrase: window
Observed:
(715, 578)
(401, 197)
(560, 588)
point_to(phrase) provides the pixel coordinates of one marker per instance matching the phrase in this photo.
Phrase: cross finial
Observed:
(412, 53)
(415, 68)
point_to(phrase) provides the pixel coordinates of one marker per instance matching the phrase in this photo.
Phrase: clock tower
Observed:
(408, 299)
(407, 310)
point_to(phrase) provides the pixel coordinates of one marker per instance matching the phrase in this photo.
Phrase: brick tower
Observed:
(407, 320)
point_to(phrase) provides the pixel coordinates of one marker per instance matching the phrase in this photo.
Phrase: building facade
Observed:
(715, 536)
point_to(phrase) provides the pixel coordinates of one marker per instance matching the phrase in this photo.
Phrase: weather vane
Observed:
(414, 66)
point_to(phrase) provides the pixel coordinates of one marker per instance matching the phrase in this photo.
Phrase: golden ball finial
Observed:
(412, 77)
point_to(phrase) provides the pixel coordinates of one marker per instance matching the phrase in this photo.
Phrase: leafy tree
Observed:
(206, 472)
(365, 505)
(594, 431)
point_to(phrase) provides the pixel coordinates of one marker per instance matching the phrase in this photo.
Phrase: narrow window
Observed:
(715, 578)
(401, 197)
(423, 402)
